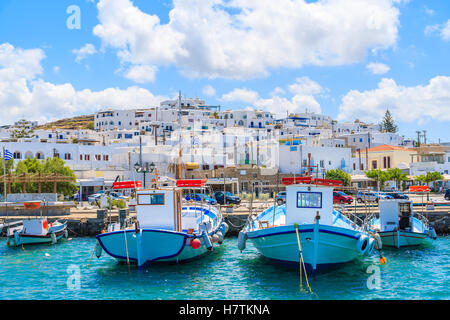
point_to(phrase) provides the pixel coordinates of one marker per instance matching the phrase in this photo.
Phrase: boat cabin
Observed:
(303, 202)
(159, 208)
(395, 214)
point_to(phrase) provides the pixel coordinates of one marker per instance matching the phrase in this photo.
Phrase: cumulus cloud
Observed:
(239, 39)
(85, 51)
(141, 73)
(303, 98)
(209, 91)
(377, 68)
(242, 95)
(443, 30)
(23, 92)
(416, 103)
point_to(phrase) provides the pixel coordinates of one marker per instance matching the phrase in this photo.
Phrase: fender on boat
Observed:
(16, 238)
(224, 228)
(242, 238)
(362, 244)
(378, 243)
(220, 235)
(98, 250)
(207, 241)
(370, 246)
(53, 236)
(66, 234)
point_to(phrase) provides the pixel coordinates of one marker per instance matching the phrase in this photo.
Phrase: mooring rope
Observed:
(302, 262)
(126, 248)
(92, 253)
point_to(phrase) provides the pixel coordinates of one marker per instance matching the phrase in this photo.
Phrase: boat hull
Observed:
(334, 245)
(402, 238)
(150, 246)
(27, 239)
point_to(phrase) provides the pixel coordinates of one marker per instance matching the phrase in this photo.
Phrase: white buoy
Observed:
(47, 255)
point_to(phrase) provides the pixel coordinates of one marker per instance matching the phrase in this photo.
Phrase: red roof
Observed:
(386, 147)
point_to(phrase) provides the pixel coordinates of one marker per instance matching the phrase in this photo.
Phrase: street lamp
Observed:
(148, 168)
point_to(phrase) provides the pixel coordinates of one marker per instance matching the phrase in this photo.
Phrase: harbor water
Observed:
(61, 272)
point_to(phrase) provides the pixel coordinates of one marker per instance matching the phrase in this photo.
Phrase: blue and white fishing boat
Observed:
(307, 223)
(398, 227)
(168, 229)
(36, 231)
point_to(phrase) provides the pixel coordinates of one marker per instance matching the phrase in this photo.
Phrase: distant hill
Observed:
(81, 122)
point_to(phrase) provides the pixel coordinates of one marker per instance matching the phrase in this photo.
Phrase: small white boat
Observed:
(398, 227)
(307, 223)
(35, 231)
(168, 229)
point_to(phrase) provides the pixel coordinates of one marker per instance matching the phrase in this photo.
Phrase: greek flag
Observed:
(8, 155)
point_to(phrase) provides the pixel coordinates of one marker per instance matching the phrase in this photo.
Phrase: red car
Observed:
(341, 197)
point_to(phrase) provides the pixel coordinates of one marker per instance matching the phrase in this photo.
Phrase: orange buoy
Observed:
(383, 260)
(45, 224)
(195, 243)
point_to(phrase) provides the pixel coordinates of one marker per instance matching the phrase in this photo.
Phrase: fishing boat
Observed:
(167, 228)
(36, 230)
(398, 227)
(307, 226)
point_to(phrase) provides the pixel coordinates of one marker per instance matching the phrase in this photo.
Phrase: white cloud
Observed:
(141, 73)
(240, 39)
(418, 103)
(209, 91)
(22, 92)
(428, 11)
(377, 68)
(56, 69)
(242, 95)
(85, 51)
(442, 29)
(304, 91)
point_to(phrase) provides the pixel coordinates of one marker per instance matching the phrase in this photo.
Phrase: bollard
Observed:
(101, 214)
(123, 213)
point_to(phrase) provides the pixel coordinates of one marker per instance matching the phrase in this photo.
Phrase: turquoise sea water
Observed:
(47, 272)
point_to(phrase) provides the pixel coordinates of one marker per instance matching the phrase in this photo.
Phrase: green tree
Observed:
(388, 124)
(22, 130)
(57, 165)
(378, 175)
(28, 166)
(339, 175)
(397, 175)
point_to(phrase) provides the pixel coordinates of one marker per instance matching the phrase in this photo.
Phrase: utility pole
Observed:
(424, 136)
(418, 138)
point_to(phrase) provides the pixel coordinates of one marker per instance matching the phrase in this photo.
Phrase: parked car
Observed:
(341, 197)
(447, 194)
(371, 196)
(200, 197)
(398, 195)
(112, 195)
(281, 198)
(226, 198)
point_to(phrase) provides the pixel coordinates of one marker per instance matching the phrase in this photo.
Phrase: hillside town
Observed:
(233, 149)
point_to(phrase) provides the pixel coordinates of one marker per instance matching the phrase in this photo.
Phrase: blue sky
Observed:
(409, 46)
